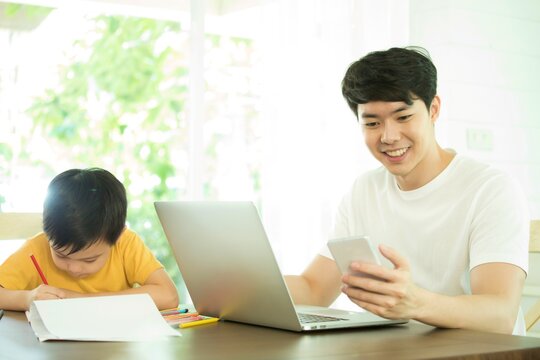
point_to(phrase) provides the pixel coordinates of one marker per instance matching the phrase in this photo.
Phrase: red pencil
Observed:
(39, 270)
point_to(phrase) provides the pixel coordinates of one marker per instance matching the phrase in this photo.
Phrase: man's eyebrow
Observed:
(375, 116)
(402, 108)
(369, 116)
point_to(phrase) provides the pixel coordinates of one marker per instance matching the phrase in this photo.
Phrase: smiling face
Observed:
(402, 138)
(82, 263)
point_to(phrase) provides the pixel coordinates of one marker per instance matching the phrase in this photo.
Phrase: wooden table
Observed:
(228, 340)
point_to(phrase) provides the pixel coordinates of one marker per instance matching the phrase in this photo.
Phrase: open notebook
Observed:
(230, 270)
(104, 318)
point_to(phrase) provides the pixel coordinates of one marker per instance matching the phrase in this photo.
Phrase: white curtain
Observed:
(313, 146)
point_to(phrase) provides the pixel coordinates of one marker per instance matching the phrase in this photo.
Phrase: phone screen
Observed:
(353, 249)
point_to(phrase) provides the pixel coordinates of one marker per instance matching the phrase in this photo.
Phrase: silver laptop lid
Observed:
(227, 263)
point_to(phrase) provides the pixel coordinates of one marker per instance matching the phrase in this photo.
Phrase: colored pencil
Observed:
(206, 320)
(184, 320)
(173, 311)
(39, 270)
(179, 316)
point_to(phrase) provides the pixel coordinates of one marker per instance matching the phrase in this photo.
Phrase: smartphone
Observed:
(353, 249)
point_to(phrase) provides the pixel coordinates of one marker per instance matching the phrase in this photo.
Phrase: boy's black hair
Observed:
(82, 207)
(396, 74)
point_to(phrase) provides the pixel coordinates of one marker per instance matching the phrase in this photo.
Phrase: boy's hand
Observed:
(69, 294)
(45, 292)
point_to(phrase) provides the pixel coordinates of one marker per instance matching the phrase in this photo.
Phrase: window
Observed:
(251, 110)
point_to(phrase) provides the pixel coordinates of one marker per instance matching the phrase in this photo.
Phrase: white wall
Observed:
(487, 54)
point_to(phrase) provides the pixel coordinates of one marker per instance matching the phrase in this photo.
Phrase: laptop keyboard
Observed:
(310, 318)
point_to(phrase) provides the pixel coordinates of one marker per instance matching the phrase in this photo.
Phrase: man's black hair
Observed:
(396, 74)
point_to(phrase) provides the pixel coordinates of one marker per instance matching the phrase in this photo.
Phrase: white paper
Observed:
(104, 318)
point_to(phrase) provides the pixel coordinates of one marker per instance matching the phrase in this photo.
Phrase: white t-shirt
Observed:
(470, 214)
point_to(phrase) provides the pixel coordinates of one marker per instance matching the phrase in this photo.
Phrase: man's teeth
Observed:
(396, 153)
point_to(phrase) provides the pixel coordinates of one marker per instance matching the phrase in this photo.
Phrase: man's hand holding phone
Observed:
(387, 292)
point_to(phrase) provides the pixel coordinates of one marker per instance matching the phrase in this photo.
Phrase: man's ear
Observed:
(435, 108)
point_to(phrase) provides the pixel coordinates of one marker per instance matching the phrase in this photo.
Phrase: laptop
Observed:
(231, 272)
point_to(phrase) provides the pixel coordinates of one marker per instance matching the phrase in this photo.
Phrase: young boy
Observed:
(85, 249)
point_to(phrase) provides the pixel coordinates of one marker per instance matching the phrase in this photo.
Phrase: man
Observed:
(454, 231)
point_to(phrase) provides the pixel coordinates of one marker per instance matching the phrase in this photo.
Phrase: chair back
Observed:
(534, 240)
(19, 225)
(532, 315)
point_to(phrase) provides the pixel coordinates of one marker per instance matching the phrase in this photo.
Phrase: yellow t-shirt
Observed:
(130, 262)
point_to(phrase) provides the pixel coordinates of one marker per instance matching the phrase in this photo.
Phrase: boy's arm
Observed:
(161, 288)
(158, 285)
(20, 300)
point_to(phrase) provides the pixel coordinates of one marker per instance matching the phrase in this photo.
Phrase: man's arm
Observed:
(493, 306)
(158, 285)
(318, 285)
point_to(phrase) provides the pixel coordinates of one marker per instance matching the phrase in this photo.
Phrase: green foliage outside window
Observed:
(119, 103)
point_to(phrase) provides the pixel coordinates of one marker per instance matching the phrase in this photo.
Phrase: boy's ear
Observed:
(435, 108)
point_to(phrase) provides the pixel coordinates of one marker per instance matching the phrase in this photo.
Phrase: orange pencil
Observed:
(179, 316)
(39, 269)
